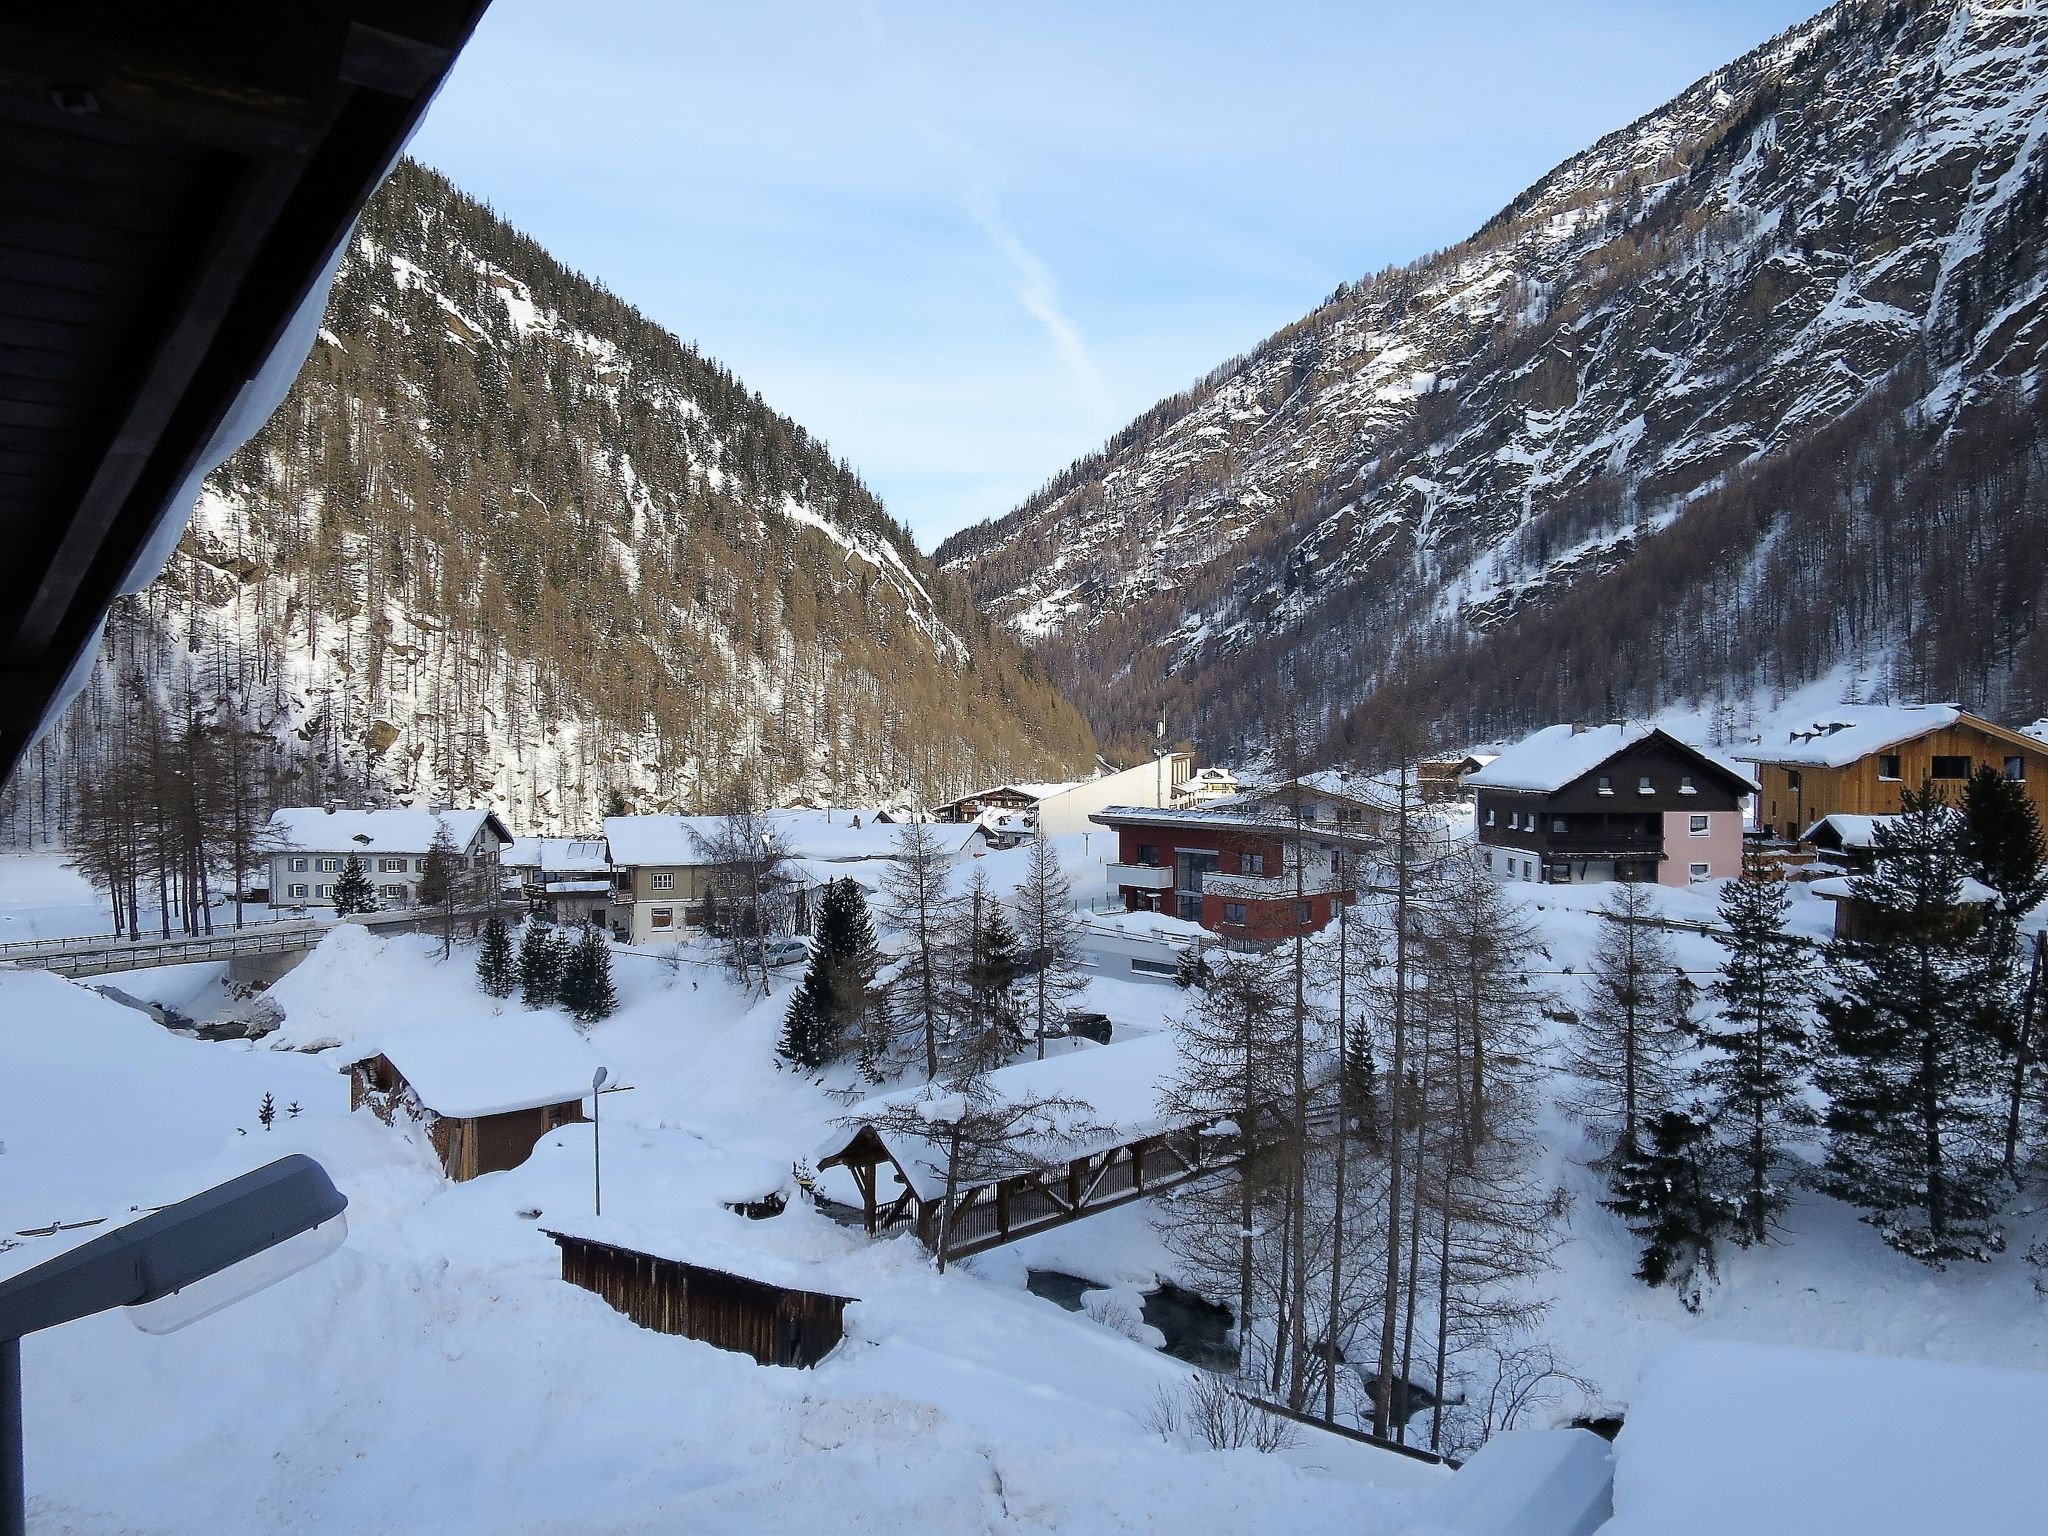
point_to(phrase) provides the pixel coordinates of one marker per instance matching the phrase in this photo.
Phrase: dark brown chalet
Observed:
(1575, 803)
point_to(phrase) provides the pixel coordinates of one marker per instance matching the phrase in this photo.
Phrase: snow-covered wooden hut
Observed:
(486, 1090)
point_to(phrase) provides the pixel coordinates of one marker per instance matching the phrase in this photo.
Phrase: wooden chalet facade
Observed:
(775, 1324)
(1574, 804)
(485, 1091)
(1859, 760)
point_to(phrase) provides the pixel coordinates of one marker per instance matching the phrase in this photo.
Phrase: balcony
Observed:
(1142, 877)
(1280, 887)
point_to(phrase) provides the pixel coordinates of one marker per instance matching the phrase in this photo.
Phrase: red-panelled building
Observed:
(1234, 869)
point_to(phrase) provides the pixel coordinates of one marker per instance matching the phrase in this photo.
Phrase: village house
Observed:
(1574, 804)
(661, 875)
(1859, 760)
(1012, 811)
(311, 847)
(1205, 785)
(485, 1090)
(1241, 867)
(565, 879)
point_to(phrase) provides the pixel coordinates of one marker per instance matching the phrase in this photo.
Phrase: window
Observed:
(1489, 816)
(297, 866)
(325, 892)
(1560, 874)
(1304, 912)
(664, 881)
(1604, 784)
(1888, 765)
(1148, 855)
(1254, 864)
(1696, 826)
(330, 866)
(295, 892)
(1698, 871)
(1644, 786)
(1685, 785)
(391, 892)
(1558, 824)
(391, 866)
(663, 917)
(2016, 769)
(1233, 912)
(1514, 821)
(1951, 768)
(1154, 967)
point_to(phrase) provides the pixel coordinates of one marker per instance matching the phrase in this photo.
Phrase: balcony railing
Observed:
(1279, 887)
(1142, 877)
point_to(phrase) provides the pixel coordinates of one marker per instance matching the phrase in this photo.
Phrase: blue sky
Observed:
(965, 242)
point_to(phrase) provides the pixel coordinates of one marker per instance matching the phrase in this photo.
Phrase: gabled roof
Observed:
(558, 855)
(1852, 731)
(390, 831)
(1847, 829)
(1559, 755)
(492, 1066)
(1119, 1083)
(659, 839)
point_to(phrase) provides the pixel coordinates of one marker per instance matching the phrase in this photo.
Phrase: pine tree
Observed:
(807, 1039)
(540, 964)
(1050, 936)
(1759, 1048)
(587, 990)
(352, 892)
(1191, 970)
(1912, 1068)
(441, 881)
(991, 1021)
(2008, 852)
(925, 993)
(1664, 1187)
(847, 952)
(495, 970)
(1632, 1024)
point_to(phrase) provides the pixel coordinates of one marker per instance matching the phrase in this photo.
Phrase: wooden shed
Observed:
(486, 1090)
(776, 1324)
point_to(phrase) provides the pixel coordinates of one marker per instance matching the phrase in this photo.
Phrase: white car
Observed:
(786, 951)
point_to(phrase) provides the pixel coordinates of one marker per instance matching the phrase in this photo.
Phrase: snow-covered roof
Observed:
(1559, 755)
(1525, 1482)
(1028, 791)
(659, 839)
(1119, 1083)
(492, 1065)
(1849, 731)
(1752, 1437)
(1240, 813)
(737, 1252)
(1852, 830)
(1970, 892)
(804, 834)
(388, 831)
(564, 855)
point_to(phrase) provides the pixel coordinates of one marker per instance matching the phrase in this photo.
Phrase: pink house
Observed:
(1576, 803)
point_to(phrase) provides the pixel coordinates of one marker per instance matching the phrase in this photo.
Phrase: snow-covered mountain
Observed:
(1719, 404)
(509, 542)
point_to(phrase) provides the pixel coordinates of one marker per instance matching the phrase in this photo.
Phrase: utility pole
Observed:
(596, 1153)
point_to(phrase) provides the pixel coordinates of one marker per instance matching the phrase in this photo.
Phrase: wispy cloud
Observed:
(1033, 284)
(1039, 292)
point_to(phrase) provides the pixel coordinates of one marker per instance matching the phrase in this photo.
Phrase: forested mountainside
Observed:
(1749, 390)
(508, 541)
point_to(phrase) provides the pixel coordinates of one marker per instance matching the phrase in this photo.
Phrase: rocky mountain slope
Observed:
(1728, 400)
(509, 541)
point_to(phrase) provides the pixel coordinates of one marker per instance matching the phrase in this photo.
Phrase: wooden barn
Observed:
(776, 1324)
(486, 1090)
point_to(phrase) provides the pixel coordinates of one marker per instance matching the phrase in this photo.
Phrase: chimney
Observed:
(1578, 727)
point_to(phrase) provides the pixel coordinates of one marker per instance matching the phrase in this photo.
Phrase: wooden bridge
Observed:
(1132, 1150)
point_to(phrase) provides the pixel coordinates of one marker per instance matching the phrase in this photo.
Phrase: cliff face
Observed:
(509, 542)
(1750, 349)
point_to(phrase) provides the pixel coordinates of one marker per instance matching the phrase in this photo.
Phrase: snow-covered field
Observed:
(437, 1373)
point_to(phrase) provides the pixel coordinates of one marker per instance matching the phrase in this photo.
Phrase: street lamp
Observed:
(173, 1267)
(596, 1155)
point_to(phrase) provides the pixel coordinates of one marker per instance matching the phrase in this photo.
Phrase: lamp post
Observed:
(596, 1154)
(173, 1267)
